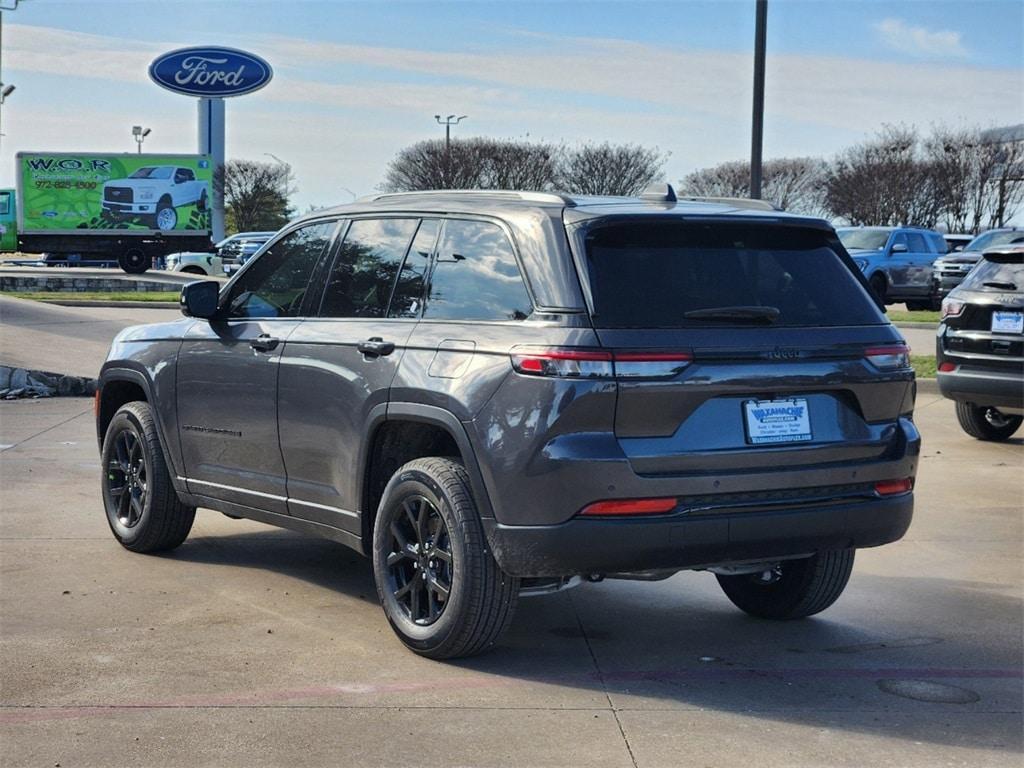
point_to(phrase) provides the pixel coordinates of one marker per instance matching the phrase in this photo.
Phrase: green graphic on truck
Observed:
(69, 193)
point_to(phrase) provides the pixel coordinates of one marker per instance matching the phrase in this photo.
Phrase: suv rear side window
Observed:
(275, 285)
(475, 276)
(652, 274)
(364, 271)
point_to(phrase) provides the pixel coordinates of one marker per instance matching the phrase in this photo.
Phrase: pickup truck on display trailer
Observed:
(155, 191)
(112, 207)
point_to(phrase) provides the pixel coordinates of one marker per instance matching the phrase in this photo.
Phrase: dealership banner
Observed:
(65, 192)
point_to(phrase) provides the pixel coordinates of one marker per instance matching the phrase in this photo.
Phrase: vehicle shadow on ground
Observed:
(679, 645)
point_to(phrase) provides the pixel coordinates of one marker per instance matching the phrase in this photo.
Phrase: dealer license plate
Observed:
(1007, 322)
(777, 421)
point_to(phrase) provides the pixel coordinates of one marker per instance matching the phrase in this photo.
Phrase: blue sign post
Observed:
(211, 73)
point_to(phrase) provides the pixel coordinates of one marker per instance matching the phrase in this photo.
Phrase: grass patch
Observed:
(924, 316)
(154, 296)
(923, 365)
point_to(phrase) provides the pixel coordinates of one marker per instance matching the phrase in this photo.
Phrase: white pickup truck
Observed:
(155, 191)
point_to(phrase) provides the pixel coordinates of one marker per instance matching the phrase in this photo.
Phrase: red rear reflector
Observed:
(947, 367)
(892, 487)
(630, 507)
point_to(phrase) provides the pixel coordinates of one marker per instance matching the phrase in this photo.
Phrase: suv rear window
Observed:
(655, 274)
(1003, 271)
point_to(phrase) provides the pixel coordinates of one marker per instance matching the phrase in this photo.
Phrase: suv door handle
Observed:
(375, 346)
(264, 342)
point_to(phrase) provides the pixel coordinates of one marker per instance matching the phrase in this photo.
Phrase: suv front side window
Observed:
(476, 276)
(364, 271)
(916, 243)
(275, 285)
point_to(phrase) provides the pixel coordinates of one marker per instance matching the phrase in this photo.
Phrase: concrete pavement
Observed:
(253, 646)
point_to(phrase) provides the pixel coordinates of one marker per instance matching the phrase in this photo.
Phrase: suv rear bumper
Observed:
(981, 387)
(678, 541)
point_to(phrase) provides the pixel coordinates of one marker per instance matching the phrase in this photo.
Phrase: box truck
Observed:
(123, 207)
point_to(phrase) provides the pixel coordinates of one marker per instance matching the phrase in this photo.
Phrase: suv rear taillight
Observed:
(952, 308)
(589, 363)
(889, 358)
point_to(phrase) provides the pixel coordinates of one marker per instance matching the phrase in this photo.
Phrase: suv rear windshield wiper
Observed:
(744, 314)
(999, 284)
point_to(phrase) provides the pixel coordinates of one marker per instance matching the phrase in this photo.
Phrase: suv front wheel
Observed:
(442, 591)
(792, 589)
(143, 509)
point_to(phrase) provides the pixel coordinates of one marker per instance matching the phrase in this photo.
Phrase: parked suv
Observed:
(239, 248)
(980, 346)
(498, 393)
(897, 261)
(949, 271)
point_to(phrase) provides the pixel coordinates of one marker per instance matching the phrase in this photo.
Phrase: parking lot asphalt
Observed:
(253, 646)
(68, 340)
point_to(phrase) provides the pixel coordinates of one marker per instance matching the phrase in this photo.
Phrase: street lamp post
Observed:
(140, 135)
(5, 91)
(448, 122)
(757, 127)
(287, 174)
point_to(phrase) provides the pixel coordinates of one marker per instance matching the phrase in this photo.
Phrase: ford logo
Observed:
(210, 72)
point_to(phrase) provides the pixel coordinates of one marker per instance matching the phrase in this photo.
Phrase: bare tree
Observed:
(793, 183)
(256, 194)
(885, 180)
(609, 169)
(519, 165)
(430, 165)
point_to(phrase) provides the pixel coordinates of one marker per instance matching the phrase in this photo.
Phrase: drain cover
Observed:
(925, 690)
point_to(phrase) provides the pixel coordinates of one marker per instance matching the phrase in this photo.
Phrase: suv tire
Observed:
(442, 590)
(986, 423)
(793, 589)
(143, 509)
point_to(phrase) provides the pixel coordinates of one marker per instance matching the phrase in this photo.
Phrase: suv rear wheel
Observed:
(442, 591)
(143, 509)
(986, 423)
(792, 589)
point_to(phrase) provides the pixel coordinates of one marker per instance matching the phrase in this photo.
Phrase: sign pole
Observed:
(211, 142)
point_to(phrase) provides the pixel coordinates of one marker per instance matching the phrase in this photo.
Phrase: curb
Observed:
(111, 304)
(928, 387)
(17, 383)
(919, 326)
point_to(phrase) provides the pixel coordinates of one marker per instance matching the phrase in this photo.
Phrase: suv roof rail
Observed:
(739, 202)
(492, 194)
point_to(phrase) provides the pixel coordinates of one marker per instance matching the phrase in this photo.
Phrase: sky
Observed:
(354, 82)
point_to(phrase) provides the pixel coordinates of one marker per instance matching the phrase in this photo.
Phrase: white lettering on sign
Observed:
(197, 70)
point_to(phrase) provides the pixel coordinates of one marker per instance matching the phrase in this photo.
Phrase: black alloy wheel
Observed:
(127, 479)
(419, 561)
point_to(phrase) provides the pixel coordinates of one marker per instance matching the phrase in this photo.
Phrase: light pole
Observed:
(140, 135)
(757, 127)
(448, 122)
(285, 181)
(5, 91)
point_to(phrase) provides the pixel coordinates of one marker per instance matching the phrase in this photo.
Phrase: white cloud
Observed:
(335, 129)
(919, 41)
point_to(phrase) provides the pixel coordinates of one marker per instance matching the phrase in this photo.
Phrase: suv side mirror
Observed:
(898, 248)
(200, 299)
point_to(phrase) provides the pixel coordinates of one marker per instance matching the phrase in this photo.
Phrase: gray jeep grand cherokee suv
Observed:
(499, 393)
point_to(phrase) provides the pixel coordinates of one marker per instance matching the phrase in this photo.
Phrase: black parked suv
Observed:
(499, 393)
(980, 346)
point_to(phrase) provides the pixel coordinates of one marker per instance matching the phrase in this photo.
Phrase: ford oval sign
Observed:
(210, 72)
